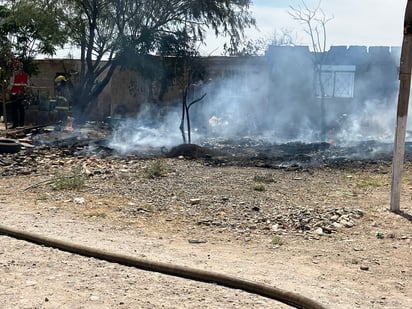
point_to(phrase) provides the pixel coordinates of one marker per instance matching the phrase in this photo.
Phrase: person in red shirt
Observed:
(20, 81)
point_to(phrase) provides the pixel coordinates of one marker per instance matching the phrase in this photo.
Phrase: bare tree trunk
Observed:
(315, 21)
(322, 106)
(188, 116)
(182, 120)
(189, 136)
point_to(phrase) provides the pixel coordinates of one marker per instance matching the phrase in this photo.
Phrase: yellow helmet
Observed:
(59, 79)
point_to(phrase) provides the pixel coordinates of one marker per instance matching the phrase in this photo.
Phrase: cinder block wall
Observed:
(128, 91)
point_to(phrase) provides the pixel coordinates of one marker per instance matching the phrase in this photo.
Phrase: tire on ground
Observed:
(8, 145)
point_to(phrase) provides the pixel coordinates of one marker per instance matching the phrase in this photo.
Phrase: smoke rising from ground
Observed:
(130, 134)
(275, 109)
(375, 121)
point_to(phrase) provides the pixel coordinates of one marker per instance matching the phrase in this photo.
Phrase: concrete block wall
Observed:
(127, 91)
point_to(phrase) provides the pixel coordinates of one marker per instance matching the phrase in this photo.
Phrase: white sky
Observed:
(355, 22)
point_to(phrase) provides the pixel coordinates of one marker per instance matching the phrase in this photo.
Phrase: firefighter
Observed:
(60, 84)
(62, 92)
(19, 84)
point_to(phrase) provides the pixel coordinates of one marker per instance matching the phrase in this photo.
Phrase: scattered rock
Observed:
(194, 201)
(31, 282)
(197, 241)
(79, 200)
(319, 231)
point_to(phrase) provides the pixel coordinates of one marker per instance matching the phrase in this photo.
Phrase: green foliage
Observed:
(277, 241)
(6, 54)
(120, 33)
(28, 28)
(261, 179)
(75, 180)
(32, 28)
(355, 261)
(166, 28)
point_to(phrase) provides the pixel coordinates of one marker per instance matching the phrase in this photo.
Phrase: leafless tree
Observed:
(193, 74)
(257, 47)
(315, 21)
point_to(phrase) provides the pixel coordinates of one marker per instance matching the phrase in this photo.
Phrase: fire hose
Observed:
(289, 298)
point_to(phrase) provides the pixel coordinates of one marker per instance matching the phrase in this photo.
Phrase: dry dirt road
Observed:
(217, 218)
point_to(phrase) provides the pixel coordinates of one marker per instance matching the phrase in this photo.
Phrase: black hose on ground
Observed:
(289, 298)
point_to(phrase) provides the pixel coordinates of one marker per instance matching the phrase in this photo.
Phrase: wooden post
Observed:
(3, 98)
(402, 112)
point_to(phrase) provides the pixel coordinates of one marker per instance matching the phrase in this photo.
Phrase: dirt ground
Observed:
(239, 221)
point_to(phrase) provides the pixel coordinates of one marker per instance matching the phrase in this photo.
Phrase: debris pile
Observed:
(283, 220)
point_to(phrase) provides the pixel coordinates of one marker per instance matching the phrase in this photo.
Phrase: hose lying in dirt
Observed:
(289, 298)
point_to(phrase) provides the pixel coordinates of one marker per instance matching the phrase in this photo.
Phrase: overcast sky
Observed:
(355, 22)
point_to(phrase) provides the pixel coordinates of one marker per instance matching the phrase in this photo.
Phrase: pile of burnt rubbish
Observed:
(94, 140)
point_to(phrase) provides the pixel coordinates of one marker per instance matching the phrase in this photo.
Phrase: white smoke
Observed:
(374, 121)
(132, 134)
(246, 104)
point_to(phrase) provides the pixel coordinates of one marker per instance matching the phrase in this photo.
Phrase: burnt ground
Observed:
(310, 218)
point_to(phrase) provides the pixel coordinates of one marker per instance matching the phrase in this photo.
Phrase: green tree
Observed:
(112, 34)
(30, 28)
(6, 54)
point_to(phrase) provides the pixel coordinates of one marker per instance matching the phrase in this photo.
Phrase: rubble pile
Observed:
(288, 219)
